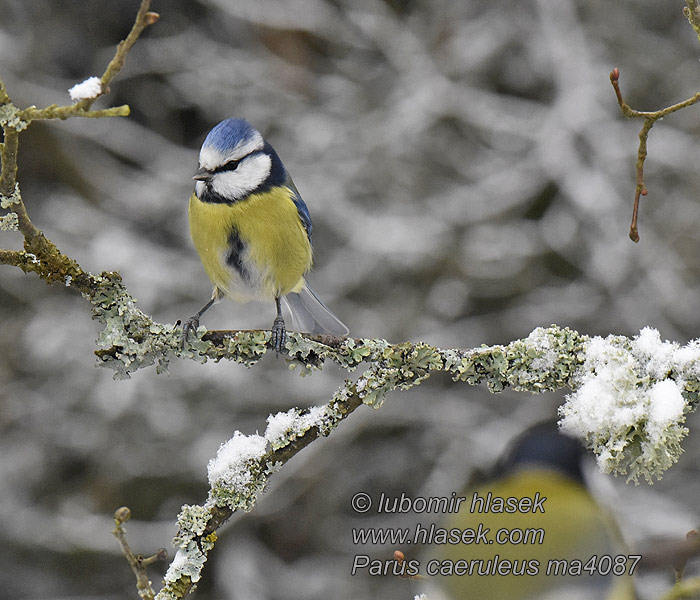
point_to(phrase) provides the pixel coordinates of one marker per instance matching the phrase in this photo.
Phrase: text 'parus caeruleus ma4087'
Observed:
(252, 231)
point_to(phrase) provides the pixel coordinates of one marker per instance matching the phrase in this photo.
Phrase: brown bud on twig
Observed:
(122, 515)
(152, 17)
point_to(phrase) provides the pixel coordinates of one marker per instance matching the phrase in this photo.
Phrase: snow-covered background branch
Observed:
(470, 179)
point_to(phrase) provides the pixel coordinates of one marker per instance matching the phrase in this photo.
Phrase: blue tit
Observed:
(252, 231)
(555, 525)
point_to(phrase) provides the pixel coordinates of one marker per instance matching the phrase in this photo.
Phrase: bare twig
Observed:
(668, 553)
(649, 119)
(137, 562)
(66, 112)
(144, 18)
(40, 254)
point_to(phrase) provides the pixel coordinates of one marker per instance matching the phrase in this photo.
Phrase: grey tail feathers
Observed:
(310, 315)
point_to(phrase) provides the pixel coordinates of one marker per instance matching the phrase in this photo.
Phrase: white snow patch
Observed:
(90, 88)
(286, 426)
(666, 406)
(631, 393)
(230, 465)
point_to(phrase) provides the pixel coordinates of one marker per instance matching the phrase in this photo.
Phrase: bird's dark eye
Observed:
(231, 165)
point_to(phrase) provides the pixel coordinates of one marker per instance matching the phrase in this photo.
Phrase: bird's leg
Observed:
(191, 325)
(279, 332)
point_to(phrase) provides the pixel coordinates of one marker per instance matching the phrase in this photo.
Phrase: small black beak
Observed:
(202, 174)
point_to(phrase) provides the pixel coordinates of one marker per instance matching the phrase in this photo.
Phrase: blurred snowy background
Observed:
(470, 178)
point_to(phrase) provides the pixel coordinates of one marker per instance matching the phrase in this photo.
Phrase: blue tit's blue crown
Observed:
(231, 133)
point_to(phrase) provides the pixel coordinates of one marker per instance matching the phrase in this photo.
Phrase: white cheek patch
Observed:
(199, 188)
(250, 174)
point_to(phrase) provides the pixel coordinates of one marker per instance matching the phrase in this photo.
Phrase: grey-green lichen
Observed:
(192, 548)
(310, 354)
(546, 360)
(14, 198)
(638, 430)
(393, 367)
(9, 117)
(244, 347)
(9, 222)
(132, 339)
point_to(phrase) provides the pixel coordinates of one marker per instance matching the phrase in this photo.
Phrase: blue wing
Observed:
(302, 209)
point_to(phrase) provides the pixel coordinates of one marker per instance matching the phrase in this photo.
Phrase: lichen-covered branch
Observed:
(628, 400)
(629, 395)
(692, 13)
(46, 260)
(40, 255)
(238, 474)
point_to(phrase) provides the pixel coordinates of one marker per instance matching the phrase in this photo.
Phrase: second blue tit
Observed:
(536, 551)
(252, 231)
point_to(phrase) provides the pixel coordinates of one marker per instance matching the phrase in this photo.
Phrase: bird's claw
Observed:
(189, 326)
(279, 334)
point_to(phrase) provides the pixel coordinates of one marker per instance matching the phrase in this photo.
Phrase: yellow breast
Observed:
(273, 252)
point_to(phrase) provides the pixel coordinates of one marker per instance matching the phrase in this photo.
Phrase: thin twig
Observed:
(137, 562)
(649, 119)
(40, 254)
(4, 98)
(144, 18)
(8, 176)
(692, 13)
(66, 112)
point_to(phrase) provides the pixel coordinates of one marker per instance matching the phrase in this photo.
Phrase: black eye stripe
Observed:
(231, 165)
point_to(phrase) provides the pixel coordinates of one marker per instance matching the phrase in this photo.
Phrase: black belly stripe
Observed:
(234, 257)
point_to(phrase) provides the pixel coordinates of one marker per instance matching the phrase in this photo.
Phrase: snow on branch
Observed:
(629, 400)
